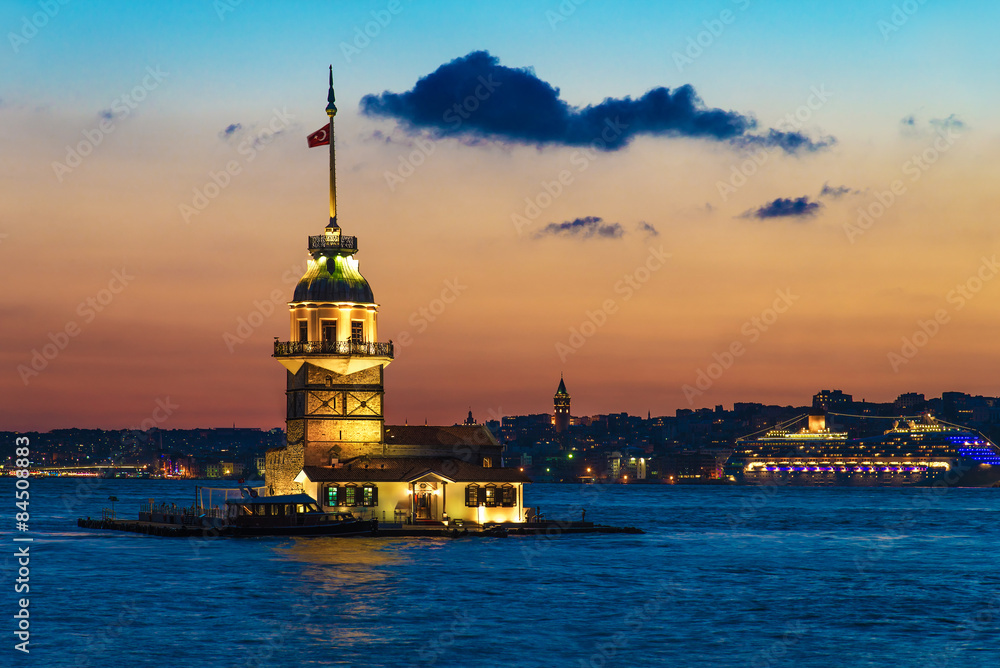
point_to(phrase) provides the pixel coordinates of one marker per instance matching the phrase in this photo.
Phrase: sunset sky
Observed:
(834, 161)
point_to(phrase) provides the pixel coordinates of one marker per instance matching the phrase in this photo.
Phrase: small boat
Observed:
(289, 515)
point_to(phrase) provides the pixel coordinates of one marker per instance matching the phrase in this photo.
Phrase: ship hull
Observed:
(960, 474)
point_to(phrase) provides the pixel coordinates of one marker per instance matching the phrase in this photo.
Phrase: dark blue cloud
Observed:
(582, 228)
(106, 114)
(784, 207)
(230, 130)
(475, 98)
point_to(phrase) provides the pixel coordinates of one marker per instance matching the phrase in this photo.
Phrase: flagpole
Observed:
(331, 111)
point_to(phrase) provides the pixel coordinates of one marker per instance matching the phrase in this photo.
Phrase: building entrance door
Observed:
(425, 505)
(425, 501)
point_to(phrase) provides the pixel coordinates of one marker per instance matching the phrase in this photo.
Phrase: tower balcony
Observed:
(336, 348)
(342, 357)
(333, 243)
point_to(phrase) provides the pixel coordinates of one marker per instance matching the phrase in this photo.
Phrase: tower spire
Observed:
(331, 111)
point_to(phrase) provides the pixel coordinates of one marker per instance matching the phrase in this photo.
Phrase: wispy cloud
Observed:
(783, 207)
(582, 228)
(951, 121)
(475, 98)
(836, 192)
(650, 231)
(912, 126)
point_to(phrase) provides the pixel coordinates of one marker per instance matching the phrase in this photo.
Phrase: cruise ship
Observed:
(921, 451)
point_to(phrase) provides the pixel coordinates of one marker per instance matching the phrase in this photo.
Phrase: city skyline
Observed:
(790, 222)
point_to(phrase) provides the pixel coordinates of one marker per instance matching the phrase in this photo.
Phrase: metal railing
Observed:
(358, 348)
(324, 242)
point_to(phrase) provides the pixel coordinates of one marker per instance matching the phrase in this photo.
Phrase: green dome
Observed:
(341, 283)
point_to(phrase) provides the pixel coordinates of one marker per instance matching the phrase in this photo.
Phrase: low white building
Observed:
(418, 490)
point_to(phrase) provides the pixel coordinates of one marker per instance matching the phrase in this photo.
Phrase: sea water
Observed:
(723, 576)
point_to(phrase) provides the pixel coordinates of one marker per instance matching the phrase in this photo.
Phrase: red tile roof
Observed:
(407, 469)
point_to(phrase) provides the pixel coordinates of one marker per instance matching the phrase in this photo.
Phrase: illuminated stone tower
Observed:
(333, 358)
(561, 404)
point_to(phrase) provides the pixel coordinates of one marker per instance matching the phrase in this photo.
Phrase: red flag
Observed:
(320, 138)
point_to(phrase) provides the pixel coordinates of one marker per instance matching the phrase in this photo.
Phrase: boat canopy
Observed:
(272, 500)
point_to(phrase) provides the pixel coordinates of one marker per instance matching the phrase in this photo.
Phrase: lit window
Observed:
(350, 498)
(329, 329)
(487, 462)
(472, 496)
(508, 496)
(490, 496)
(357, 331)
(369, 495)
(333, 496)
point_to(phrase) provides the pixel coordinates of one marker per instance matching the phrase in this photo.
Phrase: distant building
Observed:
(831, 400)
(626, 466)
(679, 466)
(636, 467)
(614, 468)
(909, 402)
(560, 403)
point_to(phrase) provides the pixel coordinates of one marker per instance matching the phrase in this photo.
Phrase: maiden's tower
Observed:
(338, 449)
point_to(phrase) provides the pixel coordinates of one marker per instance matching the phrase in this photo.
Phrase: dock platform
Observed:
(546, 528)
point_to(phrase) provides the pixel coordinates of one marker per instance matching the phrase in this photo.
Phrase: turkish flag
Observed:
(320, 138)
